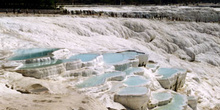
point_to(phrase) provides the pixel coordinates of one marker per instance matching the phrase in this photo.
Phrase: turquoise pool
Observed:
(133, 91)
(23, 54)
(99, 80)
(85, 57)
(136, 81)
(132, 70)
(161, 96)
(114, 58)
(167, 72)
(177, 103)
(151, 65)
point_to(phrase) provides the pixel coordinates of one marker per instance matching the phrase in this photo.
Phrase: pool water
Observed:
(114, 58)
(177, 103)
(167, 72)
(132, 70)
(151, 65)
(99, 80)
(23, 54)
(161, 96)
(136, 81)
(133, 91)
(85, 57)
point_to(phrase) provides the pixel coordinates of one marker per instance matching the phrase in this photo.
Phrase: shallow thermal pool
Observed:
(152, 65)
(177, 103)
(114, 58)
(161, 96)
(85, 57)
(99, 80)
(23, 54)
(133, 70)
(133, 81)
(133, 91)
(167, 72)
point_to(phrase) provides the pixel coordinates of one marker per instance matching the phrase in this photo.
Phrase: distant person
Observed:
(19, 11)
(27, 11)
(6, 11)
(14, 11)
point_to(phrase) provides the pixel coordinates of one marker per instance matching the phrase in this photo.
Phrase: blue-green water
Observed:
(99, 80)
(176, 104)
(162, 96)
(133, 70)
(114, 58)
(23, 54)
(85, 57)
(136, 81)
(133, 91)
(167, 72)
(68, 60)
(151, 65)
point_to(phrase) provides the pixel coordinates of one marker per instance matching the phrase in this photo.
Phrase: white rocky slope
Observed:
(179, 13)
(170, 43)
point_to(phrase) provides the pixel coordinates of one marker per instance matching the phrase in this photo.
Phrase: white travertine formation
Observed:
(73, 65)
(181, 78)
(61, 54)
(43, 72)
(11, 64)
(168, 83)
(173, 79)
(134, 62)
(38, 60)
(143, 59)
(170, 43)
(94, 62)
(125, 65)
(122, 66)
(192, 102)
(133, 97)
(85, 72)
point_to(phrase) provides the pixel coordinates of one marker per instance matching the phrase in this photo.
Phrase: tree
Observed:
(28, 3)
